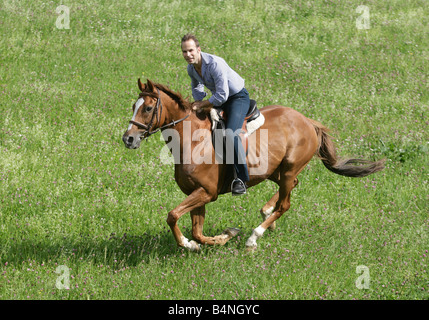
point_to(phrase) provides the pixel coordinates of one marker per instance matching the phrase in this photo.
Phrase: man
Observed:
(228, 93)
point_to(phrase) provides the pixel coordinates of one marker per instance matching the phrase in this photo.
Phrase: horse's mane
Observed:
(183, 103)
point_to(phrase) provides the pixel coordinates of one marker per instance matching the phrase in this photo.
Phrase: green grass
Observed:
(71, 194)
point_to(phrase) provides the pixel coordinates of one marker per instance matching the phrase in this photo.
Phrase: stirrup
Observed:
(240, 187)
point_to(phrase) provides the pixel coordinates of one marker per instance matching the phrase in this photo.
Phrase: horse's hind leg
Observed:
(198, 216)
(287, 182)
(268, 209)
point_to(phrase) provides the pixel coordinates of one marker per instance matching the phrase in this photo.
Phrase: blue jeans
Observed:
(236, 108)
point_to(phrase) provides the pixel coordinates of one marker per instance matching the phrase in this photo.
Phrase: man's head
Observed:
(191, 49)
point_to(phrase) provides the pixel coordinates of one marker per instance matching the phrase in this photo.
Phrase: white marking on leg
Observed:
(139, 103)
(267, 213)
(256, 234)
(185, 242)
(191, 245)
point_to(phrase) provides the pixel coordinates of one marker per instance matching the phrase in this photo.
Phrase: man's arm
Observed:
(219, 73)
(198, 92)
(202, 105)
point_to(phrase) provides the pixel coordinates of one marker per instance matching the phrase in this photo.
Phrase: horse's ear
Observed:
(150, 85)
(141, 85)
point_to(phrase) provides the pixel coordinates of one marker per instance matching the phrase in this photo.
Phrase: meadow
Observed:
(76, 205)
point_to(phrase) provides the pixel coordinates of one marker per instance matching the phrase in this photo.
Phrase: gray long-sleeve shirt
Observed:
(218, 77)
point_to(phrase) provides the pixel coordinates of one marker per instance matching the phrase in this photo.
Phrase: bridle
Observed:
(147, 133)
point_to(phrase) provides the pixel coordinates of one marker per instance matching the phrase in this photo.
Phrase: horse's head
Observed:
(145, 115)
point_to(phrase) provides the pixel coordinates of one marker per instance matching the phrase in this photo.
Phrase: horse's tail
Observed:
(345, 167)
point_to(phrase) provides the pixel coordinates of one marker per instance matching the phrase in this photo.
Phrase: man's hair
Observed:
(190, 36)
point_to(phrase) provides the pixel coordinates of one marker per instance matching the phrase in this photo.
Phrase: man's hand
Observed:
(214, 117)
(201, 105)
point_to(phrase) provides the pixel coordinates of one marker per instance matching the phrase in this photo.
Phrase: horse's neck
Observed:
(194, 125)
(175, 113)
(182, 139)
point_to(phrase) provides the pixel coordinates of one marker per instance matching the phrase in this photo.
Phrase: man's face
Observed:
(191, 53)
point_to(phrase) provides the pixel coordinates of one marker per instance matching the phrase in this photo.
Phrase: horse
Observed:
(291, 140)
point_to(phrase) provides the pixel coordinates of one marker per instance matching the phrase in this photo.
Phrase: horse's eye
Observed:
(148, 109)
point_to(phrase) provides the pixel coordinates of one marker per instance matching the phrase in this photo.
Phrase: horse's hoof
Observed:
(251, 249)
(231, 232)
(195, 247)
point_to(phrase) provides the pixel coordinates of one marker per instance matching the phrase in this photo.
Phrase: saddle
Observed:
(254, 120)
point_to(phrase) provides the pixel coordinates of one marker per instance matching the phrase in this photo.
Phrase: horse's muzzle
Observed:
(131, 141)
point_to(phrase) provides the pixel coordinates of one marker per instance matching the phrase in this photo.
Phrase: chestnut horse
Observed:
(292, 142)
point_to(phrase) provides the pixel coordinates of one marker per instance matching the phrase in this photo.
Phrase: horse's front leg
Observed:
(196, 199)
(198, 216)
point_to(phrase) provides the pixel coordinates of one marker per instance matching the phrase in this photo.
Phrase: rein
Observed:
(147, 133)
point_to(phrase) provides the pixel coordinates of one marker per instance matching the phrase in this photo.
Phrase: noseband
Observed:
(147, 133)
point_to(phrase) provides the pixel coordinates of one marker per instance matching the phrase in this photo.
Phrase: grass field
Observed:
(72, 195)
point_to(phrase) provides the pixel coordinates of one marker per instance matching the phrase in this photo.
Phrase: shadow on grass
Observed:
(116, 251)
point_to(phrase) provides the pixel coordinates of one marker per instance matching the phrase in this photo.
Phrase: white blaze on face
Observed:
(139, 103)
